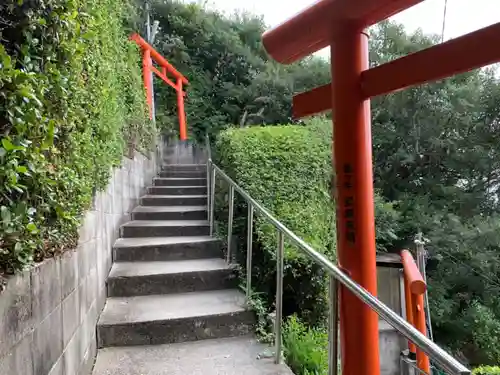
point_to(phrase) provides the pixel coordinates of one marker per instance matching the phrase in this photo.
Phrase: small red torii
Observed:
(149, 54)
(340, 24)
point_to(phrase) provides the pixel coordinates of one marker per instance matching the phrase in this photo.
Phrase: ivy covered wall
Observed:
(71, 105)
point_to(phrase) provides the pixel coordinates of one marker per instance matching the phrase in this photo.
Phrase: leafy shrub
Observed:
(287, 169)
(486, 370)
(71, 103)
(306, 349)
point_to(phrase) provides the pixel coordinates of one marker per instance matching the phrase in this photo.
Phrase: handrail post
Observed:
(279, 295)
(249, 249)
(212, 199)
(333, 327)
(209, 166)
(421, 254)
(230, 222)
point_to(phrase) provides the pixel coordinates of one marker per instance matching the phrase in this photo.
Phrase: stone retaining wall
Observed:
(48, 314)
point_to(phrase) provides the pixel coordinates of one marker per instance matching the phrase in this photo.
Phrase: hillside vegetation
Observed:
(71, 105)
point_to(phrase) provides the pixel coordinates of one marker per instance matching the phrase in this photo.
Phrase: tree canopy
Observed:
(436, 157)
(232, 80)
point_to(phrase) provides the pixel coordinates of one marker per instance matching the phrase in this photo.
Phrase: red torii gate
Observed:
(149, 54)
(340, 24)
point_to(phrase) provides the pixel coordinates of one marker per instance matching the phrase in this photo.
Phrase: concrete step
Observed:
(169, 213)
(179, 159)
(242, 355)
(174, 200)
(165, 228)
(170, 318)
(179, 174)
(166, 248)
(180, 276)
(185, 167)
(177, 181)
(177, 190)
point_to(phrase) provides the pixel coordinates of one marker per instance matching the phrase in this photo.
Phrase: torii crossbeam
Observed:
(340, 24)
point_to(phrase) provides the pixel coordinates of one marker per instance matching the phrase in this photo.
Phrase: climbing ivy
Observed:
(71, 104)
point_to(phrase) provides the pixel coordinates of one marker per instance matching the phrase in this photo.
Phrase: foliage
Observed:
(436, 156)
(263, 327)
(464, 284)
(232, 80)
(286, 169)
(305, 348)
(71, 102)
(486, 370)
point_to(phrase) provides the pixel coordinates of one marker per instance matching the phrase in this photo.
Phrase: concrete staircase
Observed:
(170, 286)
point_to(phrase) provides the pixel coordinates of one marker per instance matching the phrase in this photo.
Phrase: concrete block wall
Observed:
(48, 314)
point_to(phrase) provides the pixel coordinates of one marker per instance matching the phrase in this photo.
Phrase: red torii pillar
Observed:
(340, 24)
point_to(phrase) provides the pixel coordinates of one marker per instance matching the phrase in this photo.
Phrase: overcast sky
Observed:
(463, 16)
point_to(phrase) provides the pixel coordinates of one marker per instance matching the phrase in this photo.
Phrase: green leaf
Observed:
(31, 227)
(18, 247)
(7, 144)
(5, 214)
(22, 169)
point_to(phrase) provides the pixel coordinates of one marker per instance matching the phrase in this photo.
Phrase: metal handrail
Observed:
(440, 356)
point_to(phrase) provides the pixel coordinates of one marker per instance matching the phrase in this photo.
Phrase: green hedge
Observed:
(287, 169)
(486, 370)
(71, 105)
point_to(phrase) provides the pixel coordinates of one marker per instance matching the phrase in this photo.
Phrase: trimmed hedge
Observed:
(287, 169)
(71, 105)
(486, 370)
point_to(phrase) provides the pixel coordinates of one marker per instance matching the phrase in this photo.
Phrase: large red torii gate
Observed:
(340, 24)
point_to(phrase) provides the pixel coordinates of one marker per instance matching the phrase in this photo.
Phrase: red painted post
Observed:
(415, 288)
(181, 112)
(356, 221)
(420, 324)
(415, 280)
(146, 75)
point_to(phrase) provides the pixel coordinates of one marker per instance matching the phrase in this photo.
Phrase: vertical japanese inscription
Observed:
(348, 196)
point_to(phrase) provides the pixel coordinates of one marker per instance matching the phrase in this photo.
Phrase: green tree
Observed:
(232, 81)
(436, 154)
